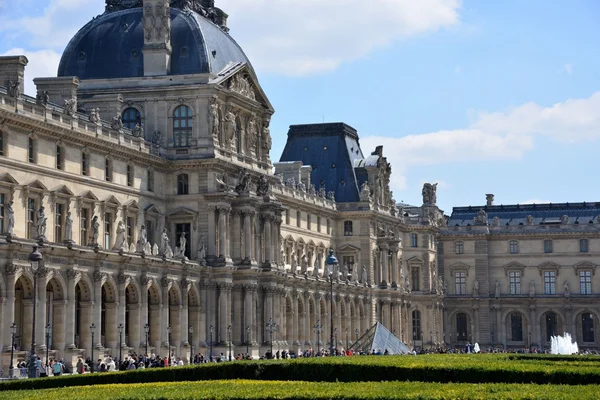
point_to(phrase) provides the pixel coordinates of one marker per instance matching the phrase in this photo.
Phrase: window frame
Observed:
(416, 325)
(585, 285)
(414, 240)
(549, 282)
(183, 184)
(514, 282)
(2, 143)
(31, 150)
(150, 180)
(128, 122)
(460, 282)
(513, 247)
(108, 169)
(182, 136)
(85, 163)
(584, 246)
(548, 246)
(60, 157)
(459, 247)
(130, 174)
(348, 228)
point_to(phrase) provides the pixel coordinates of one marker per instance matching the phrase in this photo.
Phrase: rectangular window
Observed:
(84, 224)
(460, 279)
(58, 223)
(459, 248)
(30, 218)
(2, 199)
(150, 231)
(287, 217)
(348, 262)
(328, 226)
(308, 222)
(31, 150)
(414, 240)
(547, 246)
(85, 170)
(298, 218)
(107, 230)
(183, 229)
(130, 226)
(129, 175)
(414, 279)
(1, 143)
(585, 282)
(59, 158)
(107, 170)
(513, 247)
(515, 282)
(348, 228)
(318, 224)
(549, 282)
(583, 246)
(150, 180)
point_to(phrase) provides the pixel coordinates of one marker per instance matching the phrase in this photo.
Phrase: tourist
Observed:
(57, 368)
(80, 368)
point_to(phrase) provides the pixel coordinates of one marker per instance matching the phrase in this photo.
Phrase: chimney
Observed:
(12, 70)
(157, 37)
(490, 199)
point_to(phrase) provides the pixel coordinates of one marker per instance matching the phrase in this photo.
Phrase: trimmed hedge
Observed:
(310, 390)
(555, 358)
(434, 368)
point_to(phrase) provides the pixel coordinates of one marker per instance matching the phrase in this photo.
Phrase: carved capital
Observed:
(122, 278)
(165, 282)
(12, 269)
(184, 284)
(145, 280)
(99, 276)
(73, 274)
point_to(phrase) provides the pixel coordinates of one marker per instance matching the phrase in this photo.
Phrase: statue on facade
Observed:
(321, 192)
(165, 247)
(155, 251)
(156, 138)
(365, 192)
(95, 115)
(331, 195)
(120, 241)
(291, 182)
(180, 250)
(69, 107)
(564, 219)
(481, 218)
(251, 134)
(14, 88)
(214, 117)
(531, 289)
(263, 186)
(142, 240)
(266, 137)
(429, 193)
(10, 219)
(304, 264)
(408, 285)
(529, 220)
(496, 221)
(117, 122)
(294, 263)
(363, 275)
(229, 127)
(95, 231)
(476, 288)
(301, 187)
(316, 266)
(41, 224)
(201, 251)
(243, 182)
(567, 291)
(42, 98)
(312, 190)
(138, 130)
(68, 228)
(497, 292)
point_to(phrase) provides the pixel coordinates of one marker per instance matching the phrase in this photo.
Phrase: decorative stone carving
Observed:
(215, 120)
(301, 187)
(365, 192)
(11, 269)
(142, 241)
(95, 231)
(481, 218)
(242, 85)
(144, 280)
(497, 291)
(316, 267)
(165, 247)
(429, 193)
(263, 189)
(321, 192)
(122, 278)
(331, 195)
(251, 134)
(14, 88)
(529, 220)
(312, 190)
(291, 182)
(164, 282)
(70, 106)
(41, 224)
(68, 228)
(138, 130)
(42, 98)
(99, 276)
(496, 221)
(266, 137)
(95, 115)
(155, 250)
(73, 274)
(10, 218)
(294, 263)
(564, 219)
(567, 291)
(531, 289)
(243, 185)
(476, 288)
(156, 138)
(117, 122)
(363, 275)
(229, 127)
(180, 251)
(201, 251)
(120, 241)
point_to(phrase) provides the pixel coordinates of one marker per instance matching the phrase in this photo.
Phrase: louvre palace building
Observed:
(143, 175)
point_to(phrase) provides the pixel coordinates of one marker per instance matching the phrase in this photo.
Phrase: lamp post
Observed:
(229, 340)
(48, 328)
(356, 332)
(318, 329)
(347, 342)
(191, 339)
(13, 332)
(247, 340)
(492, 341)
(430, 339)
(35, 259)
(169, 343)
(147, 332)
(92, 330)
(210, 344)
(332, 264)
(271, 328)
(120, 327)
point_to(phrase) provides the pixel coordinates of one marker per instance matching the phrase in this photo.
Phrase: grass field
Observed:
(383, 377)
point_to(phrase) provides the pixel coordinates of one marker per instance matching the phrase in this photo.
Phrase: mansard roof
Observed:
(516, 214)
(333, 151)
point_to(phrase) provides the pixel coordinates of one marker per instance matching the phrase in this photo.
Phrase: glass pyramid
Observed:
(378, 339)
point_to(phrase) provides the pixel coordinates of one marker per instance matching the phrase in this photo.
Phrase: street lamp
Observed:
(247, 340)
(210, 344)
(229, 340)
(335, 339)
(492, 334)
(356, 332)
(147, 332)
(169, 343)
(120, 327)
(346, 339)
(92, 329)
(318, 329)
(13, 332)
(35, 258)
(430, 339)
(191, 339)
(48, 328)
(331, 262)
(271, 328)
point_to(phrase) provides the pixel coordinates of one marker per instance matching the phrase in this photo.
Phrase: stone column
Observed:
(384, 264)
(258, 240)
(394, 249)
(294, 335)
(99, 278)
(236, 235)
(72, 277)
(224, 311)
(268, 243)
(277, 240)
(164, 311)
(183, 330)
(248, 314)
(40, 329)
(223, 242)
(11, 270)
(534, 332)
(143, 314)
(248, 236)
(121, 312)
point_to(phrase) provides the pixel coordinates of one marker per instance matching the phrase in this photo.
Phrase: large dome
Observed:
(110, 46)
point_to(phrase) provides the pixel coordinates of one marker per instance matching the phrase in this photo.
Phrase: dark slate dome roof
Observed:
(110, 46)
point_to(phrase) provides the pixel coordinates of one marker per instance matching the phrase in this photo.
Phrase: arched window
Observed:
(183, 184)
(182, 126)
(131, 117)
(587, 327)
(459, 247)
(513, 247)
(416, 323)
(551, 325)
(516, 327)
(461, 327)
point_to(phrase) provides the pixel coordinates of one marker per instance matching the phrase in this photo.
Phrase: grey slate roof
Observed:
(110, 46)
(516, 214)
(333, 151)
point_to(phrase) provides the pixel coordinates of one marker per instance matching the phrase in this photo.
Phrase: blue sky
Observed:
(480, 96)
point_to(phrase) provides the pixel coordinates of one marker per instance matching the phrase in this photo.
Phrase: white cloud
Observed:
(535, 201)
(42, 63)
(302, 37)
(568, 68)
(492, 136)
(457, 69)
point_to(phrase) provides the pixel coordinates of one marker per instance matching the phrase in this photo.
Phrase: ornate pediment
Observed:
(89, 196)
(514, 266)
(112, 201)
(241, 83)
(36, 185)
(62, 191)
(8, 180)
(415, 260)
